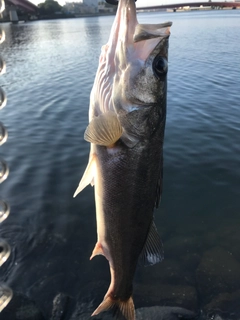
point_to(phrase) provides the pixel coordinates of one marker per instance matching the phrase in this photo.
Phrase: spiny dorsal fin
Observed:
(104, 130)
(149, 31)
(152, 252)
(120, 308)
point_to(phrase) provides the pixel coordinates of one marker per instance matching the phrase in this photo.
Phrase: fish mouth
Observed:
(113, 2)
(125, 23)
(130, 41)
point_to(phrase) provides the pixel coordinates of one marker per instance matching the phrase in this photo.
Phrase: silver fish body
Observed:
(126, 131)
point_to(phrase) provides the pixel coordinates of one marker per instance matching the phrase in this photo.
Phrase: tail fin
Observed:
(121, 309)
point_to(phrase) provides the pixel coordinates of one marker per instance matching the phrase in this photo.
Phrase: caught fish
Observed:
(126, 130)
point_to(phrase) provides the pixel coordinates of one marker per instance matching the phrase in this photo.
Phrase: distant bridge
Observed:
(24, 4)
(13, 5)
(28, 6)
(220, 4)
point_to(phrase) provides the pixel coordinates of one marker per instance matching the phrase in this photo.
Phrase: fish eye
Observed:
(160, 66)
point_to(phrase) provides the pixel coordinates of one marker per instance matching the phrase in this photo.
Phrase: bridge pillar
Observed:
(13, 14)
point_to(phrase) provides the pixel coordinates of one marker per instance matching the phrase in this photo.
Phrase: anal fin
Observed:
(152, 252)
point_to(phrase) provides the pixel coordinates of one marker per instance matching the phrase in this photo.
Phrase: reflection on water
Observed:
(50, 70)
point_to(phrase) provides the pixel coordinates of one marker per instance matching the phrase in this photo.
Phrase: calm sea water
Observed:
(50, 71)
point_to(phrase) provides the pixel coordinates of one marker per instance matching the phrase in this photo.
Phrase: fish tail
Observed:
(121, 309)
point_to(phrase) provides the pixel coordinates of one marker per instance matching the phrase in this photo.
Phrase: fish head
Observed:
(131, 80)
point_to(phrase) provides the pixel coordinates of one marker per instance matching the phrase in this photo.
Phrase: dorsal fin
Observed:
(149, 31)
(152, 252)
(159, 184)
(104, 130)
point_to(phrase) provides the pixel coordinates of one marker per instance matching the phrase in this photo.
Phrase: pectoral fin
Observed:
(152, 252)
(104, 130)
(88, 176)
